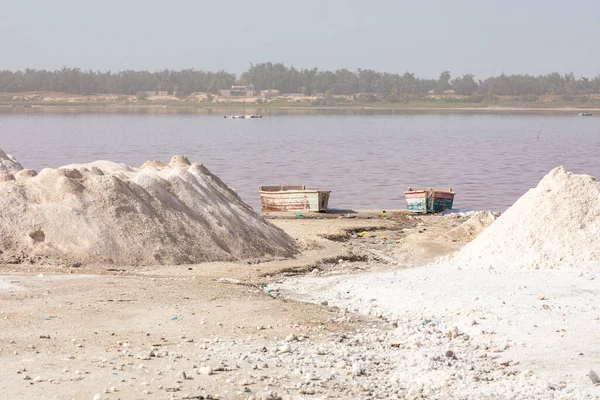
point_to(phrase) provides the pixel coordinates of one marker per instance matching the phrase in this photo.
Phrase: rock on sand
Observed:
(8, 164)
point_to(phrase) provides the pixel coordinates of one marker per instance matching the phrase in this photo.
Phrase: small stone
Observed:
(182, 375)
(291, 338)
(286, 348)
(324, 302)
(594, 377)
(450, 354)
(357, 370)
(97, 396)
(45, 336)
(452, 333)
(206, 370)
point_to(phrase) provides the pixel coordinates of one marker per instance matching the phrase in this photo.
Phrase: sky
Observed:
(483, 37)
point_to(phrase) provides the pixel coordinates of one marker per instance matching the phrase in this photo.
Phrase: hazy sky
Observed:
(485, 37)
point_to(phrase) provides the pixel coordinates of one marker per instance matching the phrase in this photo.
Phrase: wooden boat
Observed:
(585, 114)
(293, 198)
(429, 200)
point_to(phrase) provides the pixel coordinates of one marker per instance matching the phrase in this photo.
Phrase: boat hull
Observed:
(429, 201)
(295, 200)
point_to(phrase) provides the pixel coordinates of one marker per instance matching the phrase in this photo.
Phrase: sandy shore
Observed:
(246, 330)
(257, 109)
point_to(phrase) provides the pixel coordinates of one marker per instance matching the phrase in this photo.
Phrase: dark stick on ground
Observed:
(540, 132)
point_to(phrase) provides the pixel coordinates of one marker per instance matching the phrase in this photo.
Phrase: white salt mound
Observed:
(555, 225)
(8, 164)
(108, 213)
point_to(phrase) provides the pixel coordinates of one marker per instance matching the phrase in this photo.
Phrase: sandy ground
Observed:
(125, 333)
(137, 334)
(545, 330)
(231, 331)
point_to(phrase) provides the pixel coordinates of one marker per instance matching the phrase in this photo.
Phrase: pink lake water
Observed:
(367, 161)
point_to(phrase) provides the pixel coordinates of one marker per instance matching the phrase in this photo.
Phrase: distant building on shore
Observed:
(347, 97)
(238, 91)
(155, 92)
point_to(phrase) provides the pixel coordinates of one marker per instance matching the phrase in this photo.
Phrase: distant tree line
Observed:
(368, 83)
(345, 82)
(76, 81)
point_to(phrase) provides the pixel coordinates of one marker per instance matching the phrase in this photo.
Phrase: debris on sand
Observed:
(472, 227)
(109, 213)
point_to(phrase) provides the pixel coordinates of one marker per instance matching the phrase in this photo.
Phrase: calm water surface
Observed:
(366, 160)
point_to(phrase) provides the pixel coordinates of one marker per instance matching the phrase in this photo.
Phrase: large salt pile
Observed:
(8, 164)
(555, 225)
(108, 213)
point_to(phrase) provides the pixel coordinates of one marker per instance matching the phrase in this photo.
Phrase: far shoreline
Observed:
(233, 108)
